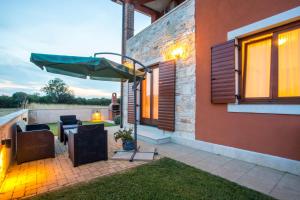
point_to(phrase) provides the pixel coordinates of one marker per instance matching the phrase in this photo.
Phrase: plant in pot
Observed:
(126, 137)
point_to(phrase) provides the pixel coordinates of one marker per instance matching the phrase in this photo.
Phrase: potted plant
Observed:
(126, 137)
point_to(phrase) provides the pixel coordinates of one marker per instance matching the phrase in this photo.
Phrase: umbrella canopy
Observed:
(83, 67)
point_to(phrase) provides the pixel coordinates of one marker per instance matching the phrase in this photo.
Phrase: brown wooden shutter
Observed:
(130, 104)
(223, 73)
(166, 105)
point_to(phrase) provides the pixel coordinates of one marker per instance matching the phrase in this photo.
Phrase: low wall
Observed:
(7, 132)
(41, 106)
(6, 111)
(52, 115)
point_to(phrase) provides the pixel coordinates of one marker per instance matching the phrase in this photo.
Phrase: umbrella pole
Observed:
(136, 148)
(134, 111)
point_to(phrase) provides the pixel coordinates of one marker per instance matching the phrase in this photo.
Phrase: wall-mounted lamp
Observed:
(177, 52)
(2, 161)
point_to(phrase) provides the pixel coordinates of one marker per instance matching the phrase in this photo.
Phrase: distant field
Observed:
(6, 111)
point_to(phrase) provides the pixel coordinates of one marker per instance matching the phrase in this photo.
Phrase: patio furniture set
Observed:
(86, 143)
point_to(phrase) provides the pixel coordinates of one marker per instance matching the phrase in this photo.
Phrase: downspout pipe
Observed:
(123, 60)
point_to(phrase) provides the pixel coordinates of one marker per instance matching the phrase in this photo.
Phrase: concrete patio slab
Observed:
(122, 155)
(212, 163)
(145, 153)
(288, 188)
(260, 178)
(234, 169)
(144, 156)
(194, 157)
(174, 150)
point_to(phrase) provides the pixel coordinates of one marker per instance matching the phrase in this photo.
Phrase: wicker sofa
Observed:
(88, 145)
(34, 142)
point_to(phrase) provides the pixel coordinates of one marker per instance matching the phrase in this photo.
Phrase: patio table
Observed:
(69, 129)
(70, 126)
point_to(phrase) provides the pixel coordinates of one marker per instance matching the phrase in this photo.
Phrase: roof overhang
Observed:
(153, 8)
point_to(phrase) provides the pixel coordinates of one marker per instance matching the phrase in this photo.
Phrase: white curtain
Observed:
(289, 64)
(155, 75)
(258, 69)
(146, 92)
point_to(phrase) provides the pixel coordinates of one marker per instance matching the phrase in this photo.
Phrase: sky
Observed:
(63, 27)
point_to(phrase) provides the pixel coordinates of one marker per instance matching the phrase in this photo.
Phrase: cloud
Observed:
(32, 86)
(9, 87)
(90, 93)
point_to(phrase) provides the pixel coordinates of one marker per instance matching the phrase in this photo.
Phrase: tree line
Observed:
(56, 92)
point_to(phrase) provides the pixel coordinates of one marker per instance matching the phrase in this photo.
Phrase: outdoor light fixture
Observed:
(179, 49)
(2, 161)
(96, 117)
(177, 52)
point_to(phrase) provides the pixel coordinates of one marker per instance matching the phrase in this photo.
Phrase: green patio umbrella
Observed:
(83, 67)
(95, 68)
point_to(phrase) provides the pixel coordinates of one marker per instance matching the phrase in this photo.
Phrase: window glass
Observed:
(146, 93)
(258, 66)
(289, 63)
(155, 92)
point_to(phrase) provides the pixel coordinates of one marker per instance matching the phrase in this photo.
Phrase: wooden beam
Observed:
(141, 2)
(141, 8)
(147, 11)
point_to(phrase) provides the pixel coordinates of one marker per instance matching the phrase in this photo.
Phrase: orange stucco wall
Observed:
(265, 133)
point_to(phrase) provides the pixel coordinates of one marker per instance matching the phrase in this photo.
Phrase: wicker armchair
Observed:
(66, 120)
(88, 145)
(34, 143)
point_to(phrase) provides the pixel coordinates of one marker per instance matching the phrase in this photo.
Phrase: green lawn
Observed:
(6, 111)
(53, 126)
(161, 179)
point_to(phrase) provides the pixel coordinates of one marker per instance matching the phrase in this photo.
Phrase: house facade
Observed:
(225, 78)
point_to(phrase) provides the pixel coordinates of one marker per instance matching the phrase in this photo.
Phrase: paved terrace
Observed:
(32, 178)
(37, 177)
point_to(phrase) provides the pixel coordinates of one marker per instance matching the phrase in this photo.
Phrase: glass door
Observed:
(149, 98)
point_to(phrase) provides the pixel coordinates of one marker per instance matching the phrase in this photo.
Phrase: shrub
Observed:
(117, 119)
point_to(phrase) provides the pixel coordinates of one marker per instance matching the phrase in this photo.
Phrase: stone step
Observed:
(153, 135)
